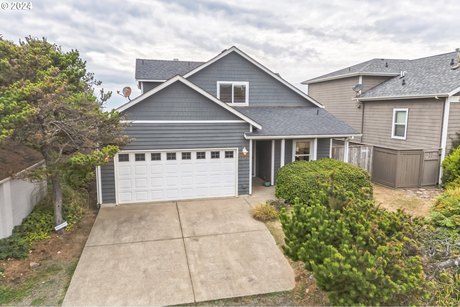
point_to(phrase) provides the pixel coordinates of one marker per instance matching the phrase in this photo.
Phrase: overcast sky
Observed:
(298, 39)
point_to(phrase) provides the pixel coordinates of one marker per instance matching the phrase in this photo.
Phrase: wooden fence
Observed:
(359, 155)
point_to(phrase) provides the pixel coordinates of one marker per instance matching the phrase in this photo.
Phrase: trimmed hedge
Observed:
(307, 179)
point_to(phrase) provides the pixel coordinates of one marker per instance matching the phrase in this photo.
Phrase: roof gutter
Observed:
(353, 74)
(401, 97)
(279, 137)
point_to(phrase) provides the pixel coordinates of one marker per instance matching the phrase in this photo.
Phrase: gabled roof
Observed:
(162, 70)
(425, 77)
(262, 67)
(283, 122)
(374, 67)
(195, 88)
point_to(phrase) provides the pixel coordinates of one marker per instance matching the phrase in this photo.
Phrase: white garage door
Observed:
(175, 175)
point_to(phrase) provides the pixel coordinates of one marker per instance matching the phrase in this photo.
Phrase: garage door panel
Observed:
(161, 179)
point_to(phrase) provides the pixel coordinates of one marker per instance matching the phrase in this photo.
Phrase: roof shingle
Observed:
(162, 69)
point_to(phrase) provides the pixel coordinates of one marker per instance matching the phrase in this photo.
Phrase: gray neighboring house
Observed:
(206, 129)
(408, 110)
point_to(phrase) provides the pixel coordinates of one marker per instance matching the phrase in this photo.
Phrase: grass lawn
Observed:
(47, 283)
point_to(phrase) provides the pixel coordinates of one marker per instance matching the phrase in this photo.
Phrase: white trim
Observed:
(444, 132)
(272, 173)
(346, 149)
(99, 184)
(294, 147)
(314, 154)
(233, 83)
(401, 97)
(283, 147)
(255, 159)
(455, 91)
(115, 175)
(250, 163)
(237, 157)
(149, 80)
(142, 87)
(175, 149)
(330, 148)
(353, 74)
(279, 137)
(192, 86)
(182, 121)
(393, 123)
(265, 69)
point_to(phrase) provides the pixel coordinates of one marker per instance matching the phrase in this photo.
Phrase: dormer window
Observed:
(232, 92)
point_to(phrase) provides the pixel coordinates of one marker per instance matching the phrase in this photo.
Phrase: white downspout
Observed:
(345, 150)
(445, 127)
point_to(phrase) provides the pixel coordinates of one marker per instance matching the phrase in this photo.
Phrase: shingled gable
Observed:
(195, 88)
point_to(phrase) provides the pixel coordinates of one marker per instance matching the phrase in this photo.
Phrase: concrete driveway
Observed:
(176, 253)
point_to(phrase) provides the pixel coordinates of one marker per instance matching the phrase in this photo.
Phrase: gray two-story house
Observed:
(206, 129)
(408, 110)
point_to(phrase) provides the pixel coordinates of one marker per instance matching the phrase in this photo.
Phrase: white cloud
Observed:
(298, 39)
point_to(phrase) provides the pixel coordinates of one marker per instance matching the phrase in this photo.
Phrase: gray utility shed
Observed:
(405, 168)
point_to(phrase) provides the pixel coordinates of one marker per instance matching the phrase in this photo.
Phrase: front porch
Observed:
(269, 155)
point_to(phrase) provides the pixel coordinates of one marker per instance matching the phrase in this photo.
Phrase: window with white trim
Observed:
(302, 151)
(399, 129)
(233, 92)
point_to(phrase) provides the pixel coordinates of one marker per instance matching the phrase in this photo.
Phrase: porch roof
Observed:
(295, 122)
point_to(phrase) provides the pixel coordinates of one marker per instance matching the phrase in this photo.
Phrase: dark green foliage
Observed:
(39, 224)
(305, 180)
(451, 169)
(446, 211)
(359, 254)
(455, 141)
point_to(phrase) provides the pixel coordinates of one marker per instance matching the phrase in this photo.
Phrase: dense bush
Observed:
(304, 179)
(264, 212)
(446, 211)
(359, 254)
(451, 169)
(39, 224)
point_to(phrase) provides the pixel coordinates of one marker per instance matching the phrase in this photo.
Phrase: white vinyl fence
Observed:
(17, 199)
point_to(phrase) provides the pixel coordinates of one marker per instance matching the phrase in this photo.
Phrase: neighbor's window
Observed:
(233, 92)
(302, 151)
(399, 123)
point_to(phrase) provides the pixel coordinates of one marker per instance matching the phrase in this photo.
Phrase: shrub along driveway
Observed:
(175, 253)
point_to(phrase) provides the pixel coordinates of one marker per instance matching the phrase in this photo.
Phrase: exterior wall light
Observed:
(244, 151)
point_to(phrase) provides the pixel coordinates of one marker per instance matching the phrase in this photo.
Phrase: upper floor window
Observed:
(399, 130)
(233, 92)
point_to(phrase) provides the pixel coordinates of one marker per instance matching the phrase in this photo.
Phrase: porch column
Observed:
(345, 150)
(283, 147)
(315, 149)
(250, 166)
(272, 180)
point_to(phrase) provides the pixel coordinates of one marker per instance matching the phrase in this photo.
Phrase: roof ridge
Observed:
(431, 56)
(161, 60)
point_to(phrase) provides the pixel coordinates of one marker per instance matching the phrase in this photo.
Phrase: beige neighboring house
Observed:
(408, 112)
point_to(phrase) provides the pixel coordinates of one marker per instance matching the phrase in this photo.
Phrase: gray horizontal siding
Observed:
(147, 86)
(454, 123)
(180, 136)
(108, 183)
(423, 126)
(288, 151)
(277, 156)
(263, 88)
(178, 102)
(323, 148)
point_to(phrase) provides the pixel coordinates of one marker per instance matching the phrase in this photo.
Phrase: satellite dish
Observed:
(126, 91)
(357, 88)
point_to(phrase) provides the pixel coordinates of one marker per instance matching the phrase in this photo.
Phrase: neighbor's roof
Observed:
(162, 69)
(15, 157)
(376, 67)
(295, 121)
(428, 76)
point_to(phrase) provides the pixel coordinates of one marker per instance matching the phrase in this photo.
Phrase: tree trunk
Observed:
(57, 199)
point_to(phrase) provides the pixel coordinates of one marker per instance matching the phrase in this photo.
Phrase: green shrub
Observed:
(304, 179)
(446, 211)
(451, 169)
(40, 223)
(264, 212)
(359, 254)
